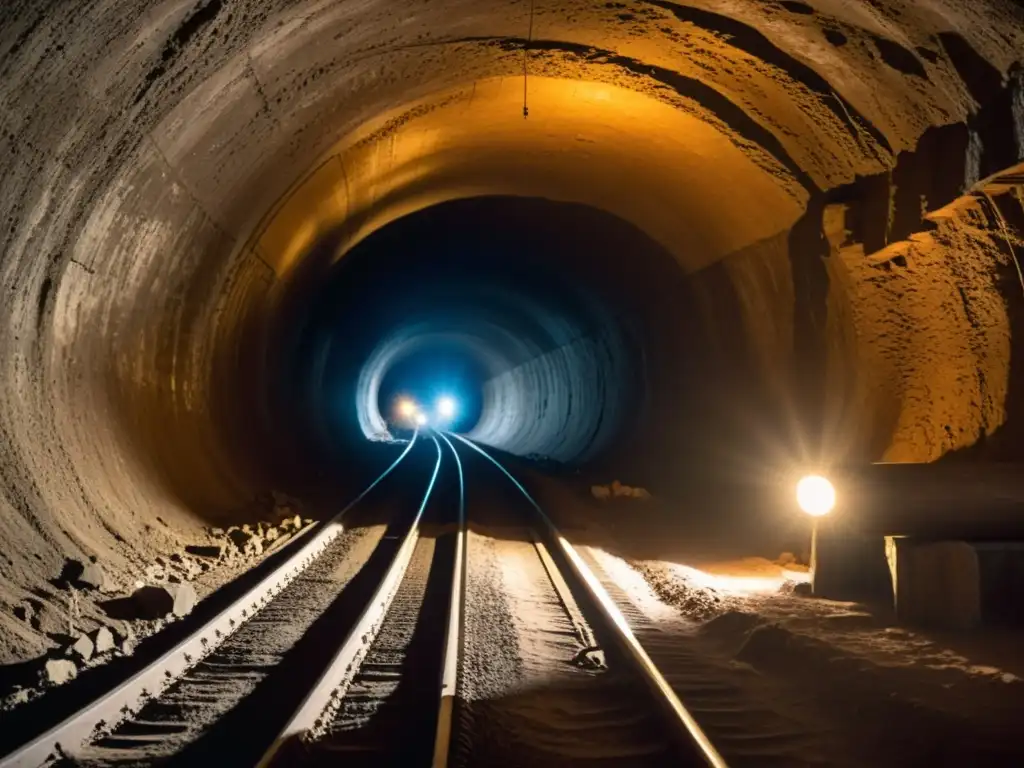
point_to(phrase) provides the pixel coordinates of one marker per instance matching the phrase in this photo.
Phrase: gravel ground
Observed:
(218, 683)
(63, 614)
(526, 698)
(377, 704)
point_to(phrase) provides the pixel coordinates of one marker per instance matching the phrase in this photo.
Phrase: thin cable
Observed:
(452, 642)
(1006, 235)
(526, 45)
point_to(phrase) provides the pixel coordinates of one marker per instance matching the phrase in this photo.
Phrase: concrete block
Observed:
(935, 584)
(848, 566)
(1002, 582)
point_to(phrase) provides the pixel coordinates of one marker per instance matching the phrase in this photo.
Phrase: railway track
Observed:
(360, 647)
(148, 717)
(642, 691)
(393, 688)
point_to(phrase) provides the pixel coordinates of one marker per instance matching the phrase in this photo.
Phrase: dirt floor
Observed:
(775, 676)
(531, 693)
(888, 694)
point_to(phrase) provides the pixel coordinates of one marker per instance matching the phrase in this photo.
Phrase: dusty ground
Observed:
(775, 677)
(886, 694)
(905, 697)
(528, 699)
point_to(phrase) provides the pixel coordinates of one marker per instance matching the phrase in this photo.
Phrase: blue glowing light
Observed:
(446, 407)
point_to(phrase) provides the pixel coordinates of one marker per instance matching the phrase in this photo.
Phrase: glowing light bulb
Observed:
(815, 495)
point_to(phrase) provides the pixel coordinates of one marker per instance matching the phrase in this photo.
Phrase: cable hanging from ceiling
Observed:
(526, 53)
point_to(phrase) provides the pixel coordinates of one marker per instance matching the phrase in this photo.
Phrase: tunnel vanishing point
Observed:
(671, 237)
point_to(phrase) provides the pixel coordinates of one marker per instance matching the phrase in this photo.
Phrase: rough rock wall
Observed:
(934, 359)
(916, 347)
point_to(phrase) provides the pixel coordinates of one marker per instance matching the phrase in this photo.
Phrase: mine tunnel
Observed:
(693, 246)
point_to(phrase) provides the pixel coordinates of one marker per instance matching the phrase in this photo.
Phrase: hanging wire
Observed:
(526, 46)
(1006, 235)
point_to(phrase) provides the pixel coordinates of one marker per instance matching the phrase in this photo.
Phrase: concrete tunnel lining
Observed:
(143, 146)
(528, 305)
(472, 141)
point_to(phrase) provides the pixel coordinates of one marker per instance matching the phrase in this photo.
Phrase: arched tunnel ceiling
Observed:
(237, 98)
(247, 115)
(165, 164)
(701, 196)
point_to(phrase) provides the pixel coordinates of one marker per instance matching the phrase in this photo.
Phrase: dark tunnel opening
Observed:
(572, 337)
(444, 381)
(536, 316)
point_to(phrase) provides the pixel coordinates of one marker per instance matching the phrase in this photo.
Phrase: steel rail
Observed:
(114, 706)
(690, 735)
(453, 635)
(345, 663)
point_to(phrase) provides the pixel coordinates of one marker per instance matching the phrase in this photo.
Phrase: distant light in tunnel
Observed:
(406, 408)
(421, 419)
(446, 407)
(815, 495)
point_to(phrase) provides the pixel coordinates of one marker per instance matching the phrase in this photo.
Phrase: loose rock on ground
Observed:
(59, 671)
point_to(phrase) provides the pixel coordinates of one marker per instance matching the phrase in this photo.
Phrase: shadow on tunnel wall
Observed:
(198, 375)
(177, 381)
(188, 375)
(219, 416)
(280, 417)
